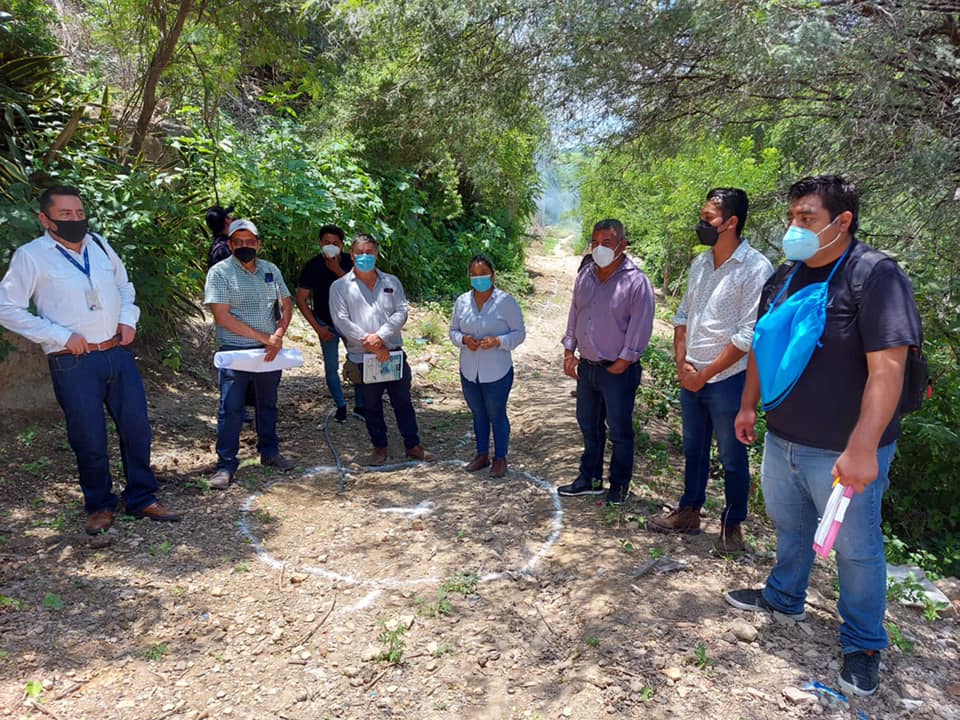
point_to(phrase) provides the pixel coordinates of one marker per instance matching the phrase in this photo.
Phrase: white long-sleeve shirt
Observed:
(720, 306)
(500, 317)
(40, 273)
(358, 311)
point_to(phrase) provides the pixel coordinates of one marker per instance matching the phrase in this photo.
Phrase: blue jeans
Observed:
(597, 390)
(331, 368)
(488, 403)
(83, 384)
(796, 485)
(233, 390)
(708, 412)
(399, 392)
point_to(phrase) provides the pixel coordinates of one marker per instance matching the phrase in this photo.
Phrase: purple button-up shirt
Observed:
(613, 319)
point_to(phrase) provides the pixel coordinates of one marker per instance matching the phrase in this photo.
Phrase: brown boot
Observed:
(499, 468)
(478, 463)
(730, 541)
(683, 520)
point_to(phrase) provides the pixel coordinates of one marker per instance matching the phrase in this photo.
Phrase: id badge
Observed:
(92, 298)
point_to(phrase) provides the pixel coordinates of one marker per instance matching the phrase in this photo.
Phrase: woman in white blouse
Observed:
(487, 325)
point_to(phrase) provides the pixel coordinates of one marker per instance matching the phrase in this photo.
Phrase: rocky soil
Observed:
(418, 591)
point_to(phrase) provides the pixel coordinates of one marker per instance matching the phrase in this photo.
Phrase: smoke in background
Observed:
(560, 201)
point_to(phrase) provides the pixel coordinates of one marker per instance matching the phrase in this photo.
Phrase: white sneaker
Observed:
(220, 480)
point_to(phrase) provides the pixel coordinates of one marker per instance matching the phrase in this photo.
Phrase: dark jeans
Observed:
(233, 391)
(598, 389)
(83, 384)
(488, 403)
(399, 392)
(708, 412)
(331, 368)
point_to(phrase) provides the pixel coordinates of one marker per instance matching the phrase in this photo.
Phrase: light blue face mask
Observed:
(802, 244)
(365, 262)
(481, 283)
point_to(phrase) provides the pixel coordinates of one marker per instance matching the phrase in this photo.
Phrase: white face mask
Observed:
(331, 251)
(603, 256)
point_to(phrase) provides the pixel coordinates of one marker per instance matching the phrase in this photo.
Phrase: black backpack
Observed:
(916, 376)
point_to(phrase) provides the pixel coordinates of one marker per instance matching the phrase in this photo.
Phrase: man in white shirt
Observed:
(369, 308)
(713, 332)
(85, 320)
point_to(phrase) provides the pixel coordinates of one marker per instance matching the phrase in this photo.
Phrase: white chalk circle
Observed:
(422, 511)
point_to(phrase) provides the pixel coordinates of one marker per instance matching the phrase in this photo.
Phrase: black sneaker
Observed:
(754, 600)
(341, 416)
(580, 487)
(618, 495)
(859, 673)
(360, 413)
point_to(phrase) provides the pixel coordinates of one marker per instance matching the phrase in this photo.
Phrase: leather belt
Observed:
(94, 347)
(597, 363)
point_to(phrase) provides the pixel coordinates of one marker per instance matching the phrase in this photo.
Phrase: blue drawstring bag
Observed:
(785, 337)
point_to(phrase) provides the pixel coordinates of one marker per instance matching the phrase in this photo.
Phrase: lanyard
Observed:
(85, 268)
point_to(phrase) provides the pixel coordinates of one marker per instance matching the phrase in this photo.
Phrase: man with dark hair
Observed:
(369, 309)
(251, 307)
(218, 220)
(713, 330)
(610, 323)
(315, 280)
(85, 322)
(836, 419)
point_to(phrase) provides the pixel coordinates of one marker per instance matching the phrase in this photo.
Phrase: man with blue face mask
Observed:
(369, 309)
(837, 420)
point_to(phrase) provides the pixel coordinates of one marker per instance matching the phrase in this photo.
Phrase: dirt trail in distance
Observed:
(280, 598)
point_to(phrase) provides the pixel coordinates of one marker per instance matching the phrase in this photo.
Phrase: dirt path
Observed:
(420, 592)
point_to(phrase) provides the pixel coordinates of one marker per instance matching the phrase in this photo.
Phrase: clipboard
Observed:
(375, 371)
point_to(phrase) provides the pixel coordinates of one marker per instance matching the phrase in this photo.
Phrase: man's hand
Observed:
(382, 353)
(126, 333)
(325, 334)
(372, 343)
(471, 342)
(857, 467)
(570, 364)
(273, 346)
(744, 425)
(77, 345)
(488, 343)
(618, 367)
(692, 379)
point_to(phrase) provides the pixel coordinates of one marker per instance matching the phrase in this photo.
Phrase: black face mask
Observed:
(73, 231)
(707, 234)
(245, 254)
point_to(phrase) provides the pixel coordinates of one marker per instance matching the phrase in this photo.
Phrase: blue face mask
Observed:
(365, 262)
(802, 244)
(481, 283)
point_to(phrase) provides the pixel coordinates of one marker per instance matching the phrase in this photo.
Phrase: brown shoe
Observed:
(157, 512)
(378, 457)
(98, 522)
(730, 541)
(499, 468)
(419, 453)
(684, 520)
(479, 462)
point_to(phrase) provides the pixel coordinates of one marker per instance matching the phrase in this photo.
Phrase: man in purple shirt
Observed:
(610, 322)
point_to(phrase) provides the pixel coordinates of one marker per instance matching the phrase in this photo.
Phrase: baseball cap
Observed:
(242, 225)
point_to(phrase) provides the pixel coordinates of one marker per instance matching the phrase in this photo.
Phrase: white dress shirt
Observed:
(500, 317)
(720, 306)
(358, 311)
(60, 290)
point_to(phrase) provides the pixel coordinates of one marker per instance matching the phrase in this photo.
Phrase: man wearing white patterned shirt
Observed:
(85, 320)
(713, 332)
